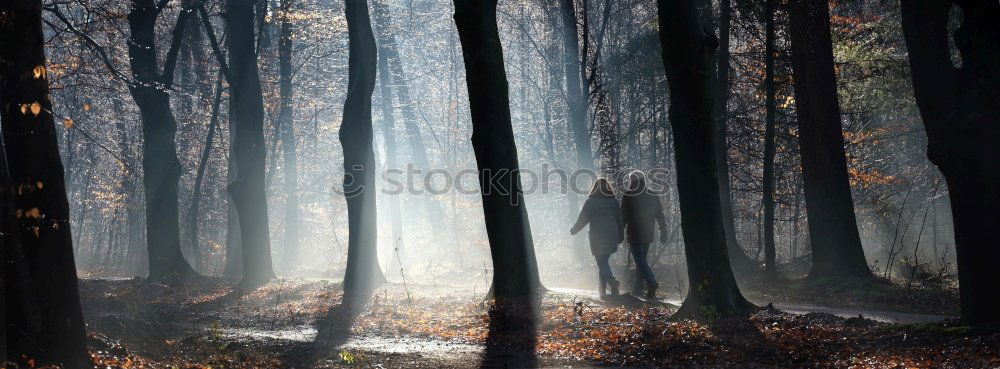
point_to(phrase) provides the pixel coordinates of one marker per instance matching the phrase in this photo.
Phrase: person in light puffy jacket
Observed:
(607, 230)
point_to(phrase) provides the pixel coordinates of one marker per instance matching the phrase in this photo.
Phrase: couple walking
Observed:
(611, 223)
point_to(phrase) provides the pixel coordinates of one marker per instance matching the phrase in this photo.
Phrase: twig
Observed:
(170, 63)
(90, 41)
(916, 247)
(161, 5)
(215, 44)
(896, 235)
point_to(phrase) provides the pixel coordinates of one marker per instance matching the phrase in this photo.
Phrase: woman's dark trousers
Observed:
(605, 276)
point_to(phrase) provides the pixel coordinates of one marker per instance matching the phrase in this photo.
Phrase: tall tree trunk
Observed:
(687, 53)
(397, 79)
(389, 140)
(797, 204)
(21, 321)
(7, 241)
(187, 67)
(515, 277)
(739, 259)
(40, 203)
(286, 115)
(193, 82)
(770, 269)
(576, 97)
(233, 267)
(246, 112)
(576, 110)
(934, 233)
(134, 220)
(161, 169)
(833, 229)
(962, 119)
(199, 60)
(363, 273)
(193, 218)
(554, 87)
(234, 245)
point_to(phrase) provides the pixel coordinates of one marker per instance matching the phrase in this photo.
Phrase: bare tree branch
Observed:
(90, 41)
(115, 155)
(160, 5)
(170, 64)
(215, 43)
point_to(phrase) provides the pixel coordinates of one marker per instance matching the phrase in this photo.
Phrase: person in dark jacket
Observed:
(640, 208)
(607, 230)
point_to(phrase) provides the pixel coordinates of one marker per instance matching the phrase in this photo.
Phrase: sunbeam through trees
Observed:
(499, 184)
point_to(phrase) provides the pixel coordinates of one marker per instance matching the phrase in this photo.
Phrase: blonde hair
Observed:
(602, 187)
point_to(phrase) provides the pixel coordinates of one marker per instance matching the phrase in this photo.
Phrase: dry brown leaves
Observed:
(578, 329)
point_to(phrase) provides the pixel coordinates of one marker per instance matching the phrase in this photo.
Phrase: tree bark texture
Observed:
(206, 153)
(739, 259)
(396, 77)
(288, 144)
(833, 229)
(389, 140)
(770, 269)
(576, 97)
(687, 53)
(246, 112)
(515, 278)
(161, 169)
(363, 273)
(39, 193)
(961, 115)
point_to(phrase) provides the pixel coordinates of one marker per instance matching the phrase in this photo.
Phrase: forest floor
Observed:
(927, 293)
(204, 323)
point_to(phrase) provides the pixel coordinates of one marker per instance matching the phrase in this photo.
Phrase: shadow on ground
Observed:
(332, 331)
(510, 341)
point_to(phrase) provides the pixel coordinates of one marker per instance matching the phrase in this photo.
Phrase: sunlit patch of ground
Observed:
(204, 324)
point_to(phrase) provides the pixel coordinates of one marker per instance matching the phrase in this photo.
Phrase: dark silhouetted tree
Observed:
(770, 270)
(39, 193)
(287, 124)
(960, 107)
(833, 228)
(161, 170)
(576, 97)
(363, 273)
(515, 278)
(7, 239)
(738, 257)
(21, 322)
(389, 139)
(196, 193)
(687, 53)
(246, 112)
(388, 49)
(576, 107)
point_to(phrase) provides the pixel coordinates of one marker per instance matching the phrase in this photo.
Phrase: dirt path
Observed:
(203, 324)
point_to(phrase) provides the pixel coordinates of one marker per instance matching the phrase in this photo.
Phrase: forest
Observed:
(500, 183)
